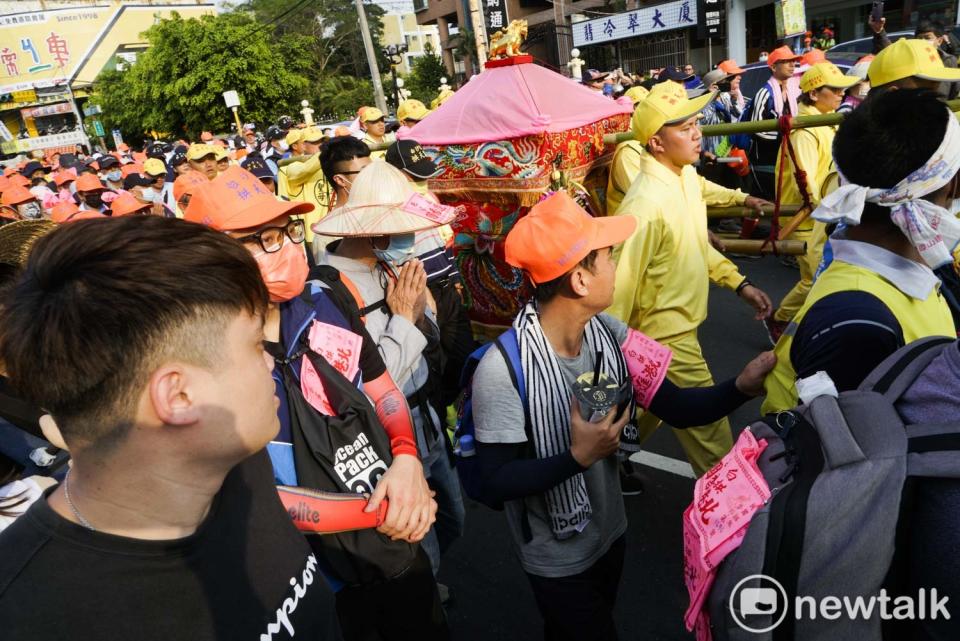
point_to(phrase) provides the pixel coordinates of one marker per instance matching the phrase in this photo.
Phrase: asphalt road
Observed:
(492, 599)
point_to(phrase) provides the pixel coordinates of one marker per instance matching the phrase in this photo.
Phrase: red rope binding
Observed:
(785, 125)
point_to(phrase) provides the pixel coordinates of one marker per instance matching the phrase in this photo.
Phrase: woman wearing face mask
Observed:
(376, 256)
(236, 202)
(18, 203)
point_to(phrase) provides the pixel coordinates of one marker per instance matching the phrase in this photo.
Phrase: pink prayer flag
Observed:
(420, 205)
(339, 346)
(715, 523)
(647, 363)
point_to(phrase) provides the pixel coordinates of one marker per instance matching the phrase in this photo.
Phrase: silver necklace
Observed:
(66, 493)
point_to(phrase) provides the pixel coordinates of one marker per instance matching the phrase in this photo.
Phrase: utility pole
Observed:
(371, 58)
(479, 32)
(562, 33)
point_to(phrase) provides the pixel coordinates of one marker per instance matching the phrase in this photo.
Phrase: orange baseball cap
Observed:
(812, 57)
(67, 212)
(236, 199)
(131, 168)
(557, 234)
(781, 54)
(4, 183)
(126, 205)
(64, 176)
(88, 182)
(9, 171)
(187, 183)
(19, 180)
(17, 195)
(730, 67)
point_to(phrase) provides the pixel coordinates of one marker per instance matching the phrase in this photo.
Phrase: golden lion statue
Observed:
(506, 43)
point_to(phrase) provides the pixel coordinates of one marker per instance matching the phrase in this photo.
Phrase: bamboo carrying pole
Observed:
(759, 126)
(757, 247)
(739, 211)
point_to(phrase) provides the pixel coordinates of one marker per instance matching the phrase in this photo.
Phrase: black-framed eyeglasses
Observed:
(270, 239)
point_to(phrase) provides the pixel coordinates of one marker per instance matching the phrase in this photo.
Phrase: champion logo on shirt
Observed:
(289, 605)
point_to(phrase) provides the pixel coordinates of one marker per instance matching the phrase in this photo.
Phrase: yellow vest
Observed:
(917, 318)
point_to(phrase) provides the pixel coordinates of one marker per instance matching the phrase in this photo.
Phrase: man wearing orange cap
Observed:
(331, 436)
(823, 86)
(666, 267)
(550, 455)
(776, 98)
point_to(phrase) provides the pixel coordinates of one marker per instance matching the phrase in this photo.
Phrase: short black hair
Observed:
(929, 26)
(547, 291)
(101, 303)
(890, 136)
(340, 149)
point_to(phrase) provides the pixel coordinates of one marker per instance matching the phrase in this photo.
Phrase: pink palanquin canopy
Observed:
(511, 101)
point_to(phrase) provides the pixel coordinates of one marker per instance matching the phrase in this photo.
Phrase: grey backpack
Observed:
(836, 468)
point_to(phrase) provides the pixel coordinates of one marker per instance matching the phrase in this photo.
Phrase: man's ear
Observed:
(655, 144)
(174, 394)
(579, 281)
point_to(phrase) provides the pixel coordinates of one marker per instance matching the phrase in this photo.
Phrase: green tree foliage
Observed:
(338, 97)
(175, 86)
(424, 79)
(334, 45)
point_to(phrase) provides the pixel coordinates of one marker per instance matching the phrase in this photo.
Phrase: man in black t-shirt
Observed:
(144, 340)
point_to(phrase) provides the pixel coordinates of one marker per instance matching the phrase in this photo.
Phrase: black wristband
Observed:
(746, 283)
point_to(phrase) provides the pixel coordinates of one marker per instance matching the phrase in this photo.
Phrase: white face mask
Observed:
(150, 195)
(30, 211)
(284, 146)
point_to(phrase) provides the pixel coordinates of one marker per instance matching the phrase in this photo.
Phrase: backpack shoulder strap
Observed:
(898, 371)
(510, 350)
(344, 291)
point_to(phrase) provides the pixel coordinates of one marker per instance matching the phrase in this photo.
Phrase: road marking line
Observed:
(665, 463)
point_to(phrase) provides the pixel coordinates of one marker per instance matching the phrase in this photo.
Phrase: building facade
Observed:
(419, 39)
(51, 51)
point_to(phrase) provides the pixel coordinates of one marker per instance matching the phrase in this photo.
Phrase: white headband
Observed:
(930, 228)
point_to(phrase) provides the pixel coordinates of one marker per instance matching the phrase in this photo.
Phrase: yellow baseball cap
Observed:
(294, 136)
(312, 134)
(411, 110)
(220, 153)
(907, 58)
(825, 74)
(372, 114)
(154, 167)
(637, 94)
(198, 151)
(667, 104)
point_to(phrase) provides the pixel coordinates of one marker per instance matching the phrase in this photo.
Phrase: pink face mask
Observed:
(284, 272)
